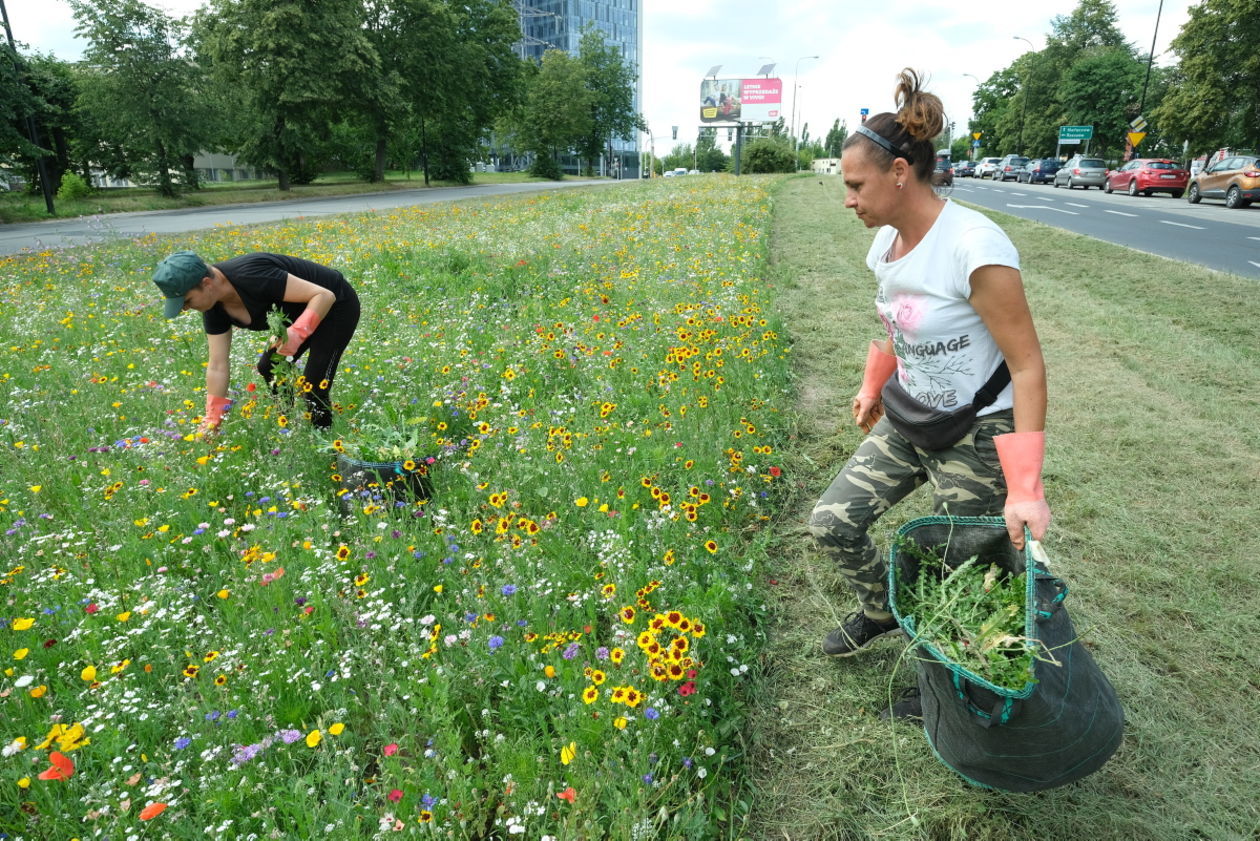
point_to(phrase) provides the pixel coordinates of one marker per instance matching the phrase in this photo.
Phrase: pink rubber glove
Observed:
(215, 407)
(299, 331)
(1021, 455)
(867, 406)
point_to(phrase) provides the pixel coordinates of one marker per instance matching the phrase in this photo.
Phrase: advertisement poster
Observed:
(732, 101)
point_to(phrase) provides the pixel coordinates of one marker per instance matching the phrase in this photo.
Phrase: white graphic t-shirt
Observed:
(944, 351)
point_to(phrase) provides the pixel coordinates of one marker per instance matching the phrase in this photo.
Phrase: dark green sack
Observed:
(1062, 725)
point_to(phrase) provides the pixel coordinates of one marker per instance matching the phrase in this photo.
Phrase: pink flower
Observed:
(395, 795)
(390, 749)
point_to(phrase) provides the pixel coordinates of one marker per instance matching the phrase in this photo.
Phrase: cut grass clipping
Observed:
(971, 615)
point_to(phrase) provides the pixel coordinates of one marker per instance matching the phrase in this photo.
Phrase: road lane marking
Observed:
(1184, 225)
(1255, 238)
(1253, 262)
(1043, 207)
(1074, 204)
(1120, 213)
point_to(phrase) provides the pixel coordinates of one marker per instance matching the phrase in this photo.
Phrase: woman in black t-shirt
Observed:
(321, 307)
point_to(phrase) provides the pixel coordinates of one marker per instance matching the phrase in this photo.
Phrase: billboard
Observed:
(734, 101)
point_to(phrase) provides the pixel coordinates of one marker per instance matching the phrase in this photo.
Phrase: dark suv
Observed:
(1039, 171)
(1008, 168)
(943, 175)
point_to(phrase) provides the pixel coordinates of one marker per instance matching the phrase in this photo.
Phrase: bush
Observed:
(768, 154)
(73, 187)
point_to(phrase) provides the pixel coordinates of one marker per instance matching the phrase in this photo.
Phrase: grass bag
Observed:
(1059, 721)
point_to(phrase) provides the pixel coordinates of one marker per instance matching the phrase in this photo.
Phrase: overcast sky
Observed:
(860, 47)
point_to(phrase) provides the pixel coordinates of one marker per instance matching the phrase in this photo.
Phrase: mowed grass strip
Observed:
(1152, 467)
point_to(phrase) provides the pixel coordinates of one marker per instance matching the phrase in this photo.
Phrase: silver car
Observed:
(1082, 171)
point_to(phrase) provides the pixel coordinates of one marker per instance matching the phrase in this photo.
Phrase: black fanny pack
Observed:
(932, 429)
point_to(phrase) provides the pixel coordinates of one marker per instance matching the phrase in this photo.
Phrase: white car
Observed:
(987, 167)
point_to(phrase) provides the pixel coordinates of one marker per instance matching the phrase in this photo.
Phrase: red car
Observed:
(1148, 175)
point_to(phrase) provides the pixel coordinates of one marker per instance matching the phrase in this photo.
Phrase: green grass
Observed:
(24, 207)
(1151, 473)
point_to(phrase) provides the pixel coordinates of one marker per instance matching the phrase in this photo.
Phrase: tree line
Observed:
(1087, 74)
(295, 88)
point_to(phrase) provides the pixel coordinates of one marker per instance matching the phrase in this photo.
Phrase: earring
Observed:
(900, 185)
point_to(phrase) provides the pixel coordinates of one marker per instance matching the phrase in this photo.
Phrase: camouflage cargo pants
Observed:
(966, 480)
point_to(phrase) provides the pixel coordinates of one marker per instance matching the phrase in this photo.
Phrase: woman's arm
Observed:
(997, 293)
(217, 376)
(218, 369)
(318, 302)
(316, 297)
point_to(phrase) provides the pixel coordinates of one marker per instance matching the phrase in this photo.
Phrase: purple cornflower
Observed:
(508, 589)
(601, 653)
(245, 753)
(495, 642)
(571, 651)
(182, 742)
(289, 736)
(651, 714)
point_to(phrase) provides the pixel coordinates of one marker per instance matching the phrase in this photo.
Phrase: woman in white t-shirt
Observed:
(952, 303)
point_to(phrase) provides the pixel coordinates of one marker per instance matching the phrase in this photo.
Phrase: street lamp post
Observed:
(796, 74)
(1023, 117)
(973, 97)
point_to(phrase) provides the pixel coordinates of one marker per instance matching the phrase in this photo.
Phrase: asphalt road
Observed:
(1208, 234)
(37, 236)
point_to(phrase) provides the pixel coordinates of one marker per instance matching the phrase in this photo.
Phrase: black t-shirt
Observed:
(260, 280)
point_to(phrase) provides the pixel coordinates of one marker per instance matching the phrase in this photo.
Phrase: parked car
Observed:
(1235, 179)
(1082, 171)
(1008, 168)
(1143, 176)
(943, 175)
(965, 169)
(1039, 171)
(987, 167)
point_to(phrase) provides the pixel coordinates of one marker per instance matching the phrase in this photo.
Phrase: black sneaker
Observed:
(857, 632)
(907, 707)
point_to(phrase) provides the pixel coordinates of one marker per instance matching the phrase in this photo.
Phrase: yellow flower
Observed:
(313, 737)
(36, 488)
(88, 674)
(22, 623)
(336, 729)
(590, 695)
(620, 722)
(224, 593)
(21, 653)
(568, 753)
(38, 691)
(124, 616)
(24, 783)
(581, 502)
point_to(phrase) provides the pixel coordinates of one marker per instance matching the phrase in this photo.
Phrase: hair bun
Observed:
(920, 113)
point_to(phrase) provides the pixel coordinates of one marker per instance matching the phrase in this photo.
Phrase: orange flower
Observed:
(151, 811)
(569, 794)
(62, 767)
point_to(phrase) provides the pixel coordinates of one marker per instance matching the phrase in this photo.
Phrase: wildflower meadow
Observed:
(207, 637)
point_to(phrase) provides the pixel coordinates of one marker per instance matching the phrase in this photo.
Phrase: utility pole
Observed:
(32, 130)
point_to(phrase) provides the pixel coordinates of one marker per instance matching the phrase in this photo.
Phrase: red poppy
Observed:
(62, 767)
(569, 794)
(151, 811)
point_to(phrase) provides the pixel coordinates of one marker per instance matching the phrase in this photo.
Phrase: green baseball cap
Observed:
(175, 276)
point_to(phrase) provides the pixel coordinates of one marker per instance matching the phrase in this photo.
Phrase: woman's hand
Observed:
(867, 411)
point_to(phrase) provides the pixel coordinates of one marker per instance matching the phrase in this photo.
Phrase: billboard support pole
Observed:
(739, 145)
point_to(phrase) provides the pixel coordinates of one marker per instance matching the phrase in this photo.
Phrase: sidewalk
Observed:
(64, 233)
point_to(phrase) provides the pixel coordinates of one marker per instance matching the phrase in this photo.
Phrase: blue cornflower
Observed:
(495, 642)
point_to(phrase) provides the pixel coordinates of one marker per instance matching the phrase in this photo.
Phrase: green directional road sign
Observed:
(1075, 133)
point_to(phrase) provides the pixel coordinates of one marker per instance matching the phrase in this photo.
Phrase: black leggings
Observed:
(325, 345)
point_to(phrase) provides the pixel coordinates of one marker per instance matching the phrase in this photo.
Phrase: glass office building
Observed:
(558, 24)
